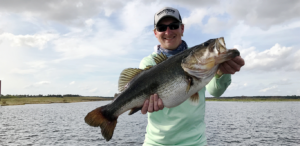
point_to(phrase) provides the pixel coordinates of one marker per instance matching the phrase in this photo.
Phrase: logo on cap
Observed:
(166, 11)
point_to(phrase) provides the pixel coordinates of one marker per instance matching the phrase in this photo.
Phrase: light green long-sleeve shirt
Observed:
(183, 124)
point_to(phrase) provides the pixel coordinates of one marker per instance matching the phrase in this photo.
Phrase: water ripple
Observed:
(228, 123)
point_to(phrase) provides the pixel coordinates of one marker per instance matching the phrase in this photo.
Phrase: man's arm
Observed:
(219, 83)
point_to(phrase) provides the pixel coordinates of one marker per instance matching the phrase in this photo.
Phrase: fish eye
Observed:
(205, 44)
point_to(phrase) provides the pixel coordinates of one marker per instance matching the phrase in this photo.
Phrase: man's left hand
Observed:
(232, 66)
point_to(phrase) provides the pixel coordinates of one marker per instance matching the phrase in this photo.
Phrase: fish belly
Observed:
(175, 92)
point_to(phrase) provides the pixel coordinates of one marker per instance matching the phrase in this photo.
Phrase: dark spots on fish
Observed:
(205, 44)
(152, 88)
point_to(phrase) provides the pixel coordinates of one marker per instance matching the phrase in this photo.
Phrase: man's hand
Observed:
(153, 104)
(232, 66)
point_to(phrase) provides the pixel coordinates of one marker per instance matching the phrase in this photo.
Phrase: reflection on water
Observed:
(228, 123)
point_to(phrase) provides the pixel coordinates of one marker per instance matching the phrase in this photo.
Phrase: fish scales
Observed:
(175, 79)
(158, 77)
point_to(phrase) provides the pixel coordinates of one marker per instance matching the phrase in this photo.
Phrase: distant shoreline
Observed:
(47, 100)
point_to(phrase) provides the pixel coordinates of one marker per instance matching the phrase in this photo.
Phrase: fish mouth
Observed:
(224, 54)
(219, 54)
(228, 55)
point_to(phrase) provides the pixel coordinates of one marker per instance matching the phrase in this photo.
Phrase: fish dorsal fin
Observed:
(126, 76)
(148, 67)
(160, 58)
(116, 95)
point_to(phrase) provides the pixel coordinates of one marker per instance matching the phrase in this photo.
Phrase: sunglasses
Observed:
(172, 26)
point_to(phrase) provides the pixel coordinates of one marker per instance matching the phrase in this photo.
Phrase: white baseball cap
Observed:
(166, 12)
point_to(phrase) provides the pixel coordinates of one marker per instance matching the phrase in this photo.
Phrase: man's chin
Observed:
(170, 48)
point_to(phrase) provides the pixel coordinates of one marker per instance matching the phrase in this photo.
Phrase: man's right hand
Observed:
(153, 104)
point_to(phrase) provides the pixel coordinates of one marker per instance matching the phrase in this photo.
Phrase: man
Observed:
(184, 124)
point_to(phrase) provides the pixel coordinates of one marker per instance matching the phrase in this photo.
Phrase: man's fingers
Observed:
(153, 104)
(239, 60)
(225, 68)
(234, 67)
(150, 107)
(160, 104)
(156, 102)
(145, 107)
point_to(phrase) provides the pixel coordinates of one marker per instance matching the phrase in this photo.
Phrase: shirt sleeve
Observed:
(146, 61)
(217, 86)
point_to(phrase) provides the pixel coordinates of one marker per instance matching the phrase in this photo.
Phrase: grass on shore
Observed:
(47, 100)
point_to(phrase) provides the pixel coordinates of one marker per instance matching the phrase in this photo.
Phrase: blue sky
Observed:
(81, 47)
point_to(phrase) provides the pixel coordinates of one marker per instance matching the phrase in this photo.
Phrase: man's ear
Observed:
(155, 32)
(182, 29)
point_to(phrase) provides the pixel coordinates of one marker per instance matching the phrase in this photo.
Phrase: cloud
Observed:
(192, 4)
(195, 18)
(237, 86)
(67, 11)
(37, 64)
(282, 82)
(269, 88)
(224, 15)
(116, 39)
(92, 41)
(264, 14)
(37, 84)
(215, 25)
(276, 58)
(93, 90)
(35, 41)
(210, 20)
(23, 71)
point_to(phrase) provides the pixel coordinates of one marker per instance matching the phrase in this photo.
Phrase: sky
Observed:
(81, 47)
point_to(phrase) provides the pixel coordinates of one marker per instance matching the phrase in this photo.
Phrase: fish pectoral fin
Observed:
(195, 98)
(126, 76)
(189, 81)
(134, 110)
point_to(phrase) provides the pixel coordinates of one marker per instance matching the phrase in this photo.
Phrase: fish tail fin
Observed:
(96, 118)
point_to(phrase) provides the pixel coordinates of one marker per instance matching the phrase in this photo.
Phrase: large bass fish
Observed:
(174, 79)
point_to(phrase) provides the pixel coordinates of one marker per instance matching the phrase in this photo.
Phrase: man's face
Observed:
(169, 39)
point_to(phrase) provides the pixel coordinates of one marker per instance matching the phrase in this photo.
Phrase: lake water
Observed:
(228, 123)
